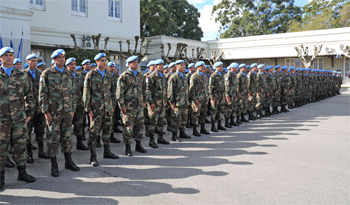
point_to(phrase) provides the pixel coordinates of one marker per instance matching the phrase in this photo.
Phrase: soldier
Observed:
(217, 98)
(270, 89)
(243, 91)
(14, 87)
(166, 69)
(252, 90)
(56, 98)
(38, 120)
(207, 73)
(172, 70)
(261, 92)
(285, 86)
(198, 99)
(148, 71)
(177, 96)
(78, 98)
(92, 66)
(86, 65)
(99, 102)
(156, 92)
(130, 97)
(190, 70)
(17, 63)
(41, 66)
(231, 91)
(292, 87)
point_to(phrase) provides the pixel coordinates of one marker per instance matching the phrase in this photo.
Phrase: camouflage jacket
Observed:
(270, 83)
(130, 90)
(197, 89)
(79, 88)
(252, 82)
(242, 84)
(56, 91)
(206, 82)
(177, 90)
(285, 85)
(156, 89)
(35, 87)
(278, 79)
(231, 86)
(188, 78)
(16, 96)
(216, 86)
(262, 87)
(99, 92)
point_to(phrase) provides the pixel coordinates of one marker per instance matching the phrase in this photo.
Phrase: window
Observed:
(115, 10)
(40, 54)
(266, 62)
(290, 62)
(347, 67)
(79, 7)
(318, 63)
(37, 4)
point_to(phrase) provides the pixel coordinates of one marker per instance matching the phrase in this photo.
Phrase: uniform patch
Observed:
(147, 80)
(41, 80)
(85, 82)
(191, 81)
(226, 78)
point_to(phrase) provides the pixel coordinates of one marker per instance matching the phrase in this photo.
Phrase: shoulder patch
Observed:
(226, 78)
(147, 80)
(41, 79)
(85, 82)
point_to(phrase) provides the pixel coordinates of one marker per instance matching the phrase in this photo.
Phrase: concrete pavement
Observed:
(300, 157)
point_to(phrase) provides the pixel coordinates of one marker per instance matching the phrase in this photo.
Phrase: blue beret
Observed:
(260, 66)
(158, 61)
(86, 61)
(0, 63)
(303, 69)
(6, 50)
(284, 67)
(233, 65)
(99, 56)
(109, 64)
(78, 67)
(25, 66)
(253, 65)
(69, 60)
(171, 64)
(93, 64)
(241, 65)
(52, 62)
(17, 60)
(150, 63)
(267, 67)
(219, 63)
(199, 63)
(57, 53)
(298, 69)
(187, 70)
(277, 66)
(131, 59)
(146, 70)
(292, 67)
(207, 66)
(339, 72)
(179, 62)
(247, 66)
(334, 71)
(165, 66)
(30, 56)
(224, 69)
(190, 65)
(40, 64)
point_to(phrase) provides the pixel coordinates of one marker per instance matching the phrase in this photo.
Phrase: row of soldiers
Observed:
(62, 95)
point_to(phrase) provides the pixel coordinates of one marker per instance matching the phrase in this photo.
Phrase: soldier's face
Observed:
(270, 71)
(200, 68)
(134, 65)
(152, 68)
(243, 69)
(160, 67)
(173, 69)
(32, 63)
(219, 68)
(180, 67)
(193, 69)
(72, 66)
(255, 69)
(102, 63)
(59, 60)
(18, 66)
(87, 66)
(42, 67)
(116, 71)
(110, 69)
(7, 60)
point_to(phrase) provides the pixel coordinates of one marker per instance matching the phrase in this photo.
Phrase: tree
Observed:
(170, 18)
(81, 55)
(323, 14)
(257, 17)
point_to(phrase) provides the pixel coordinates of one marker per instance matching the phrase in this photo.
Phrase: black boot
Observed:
(267, 112)
(188, 124)
(184, 135)
(259, 114)
(54, 167)
(69, 164)
(98, 141)
(117, 130)
(207, 120)
(161, 140)
(2, 179)
(251, 117)
(8, 163)
(41, 153)
(274, 110)
(283, 108)
(203, 130)
(93, 157)
(30, 159)
(113, 139)
(128, 150)
(195, 131)
(233, 121)
(152, 143)
(23, 176)
(239, 121)
(243, 119)
(139, 148)
(213, 126)
(175, 137)
(227, 123)
(220, 127)
(107, 154)
(80, 144)
(33, 147)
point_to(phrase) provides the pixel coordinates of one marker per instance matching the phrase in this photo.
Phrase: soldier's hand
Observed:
(268, 94)
(152, 107)
(258, 94)
(228, 99)
(172, 106)
(48, 118)
(197, 103)
(91, 115)
(144, 105)
(249, 95)
(72, 113)
(123, 110)
(276, 92)
(28, 119)
(213, 102)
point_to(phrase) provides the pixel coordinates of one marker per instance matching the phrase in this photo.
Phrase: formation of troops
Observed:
(64, 98)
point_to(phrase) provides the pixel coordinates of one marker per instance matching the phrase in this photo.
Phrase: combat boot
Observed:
(213, 126)
(203, 130)
(161, 140)
(188, 124)
(54, 167)
(98, 141)
(274, 111)
(239, 121)
(107, 154)
(259, 114)
(227, 123)
(152, 143)
(175, 137)
(207, 120)
(267, 112)
(113, 139)
(220, 127)
(139, 148)
(30, 159)
(184, 135)
(33, 147)
(69, 164)
(128, 150)
(251, 117)
(80, 144)
(93, 157)
(23, 176)
(8, 163)
(2, 179)
(41, 153)
(243, 119)
(117, 130)
(195, 131)
(233, 121)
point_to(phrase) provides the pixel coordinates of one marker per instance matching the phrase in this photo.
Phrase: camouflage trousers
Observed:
(284, 98)
(78, 121)
(239, 107)
(157, 119)
(38, 123)
(252, 102)
(230, 109)
(116, 116)
(146, 117)
(102, 121)
(178, 118)
(16, 129)
(260, 101)
(217, 110)
(134, 126)
(60, 131)
(244, 103)
(267, 101)
(198, 115)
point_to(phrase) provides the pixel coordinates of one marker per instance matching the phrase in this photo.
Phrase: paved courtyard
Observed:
(300, 157)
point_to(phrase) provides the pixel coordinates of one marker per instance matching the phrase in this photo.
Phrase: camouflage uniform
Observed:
(216, 93)
(198, 92)
(231, 91)
(285, 87)
(270, 87)
(79, 115)
(243, 92)
(277, 97)
(145, 111)
(262, 90)
(252, 87)
(168, 107)
(130, 95)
